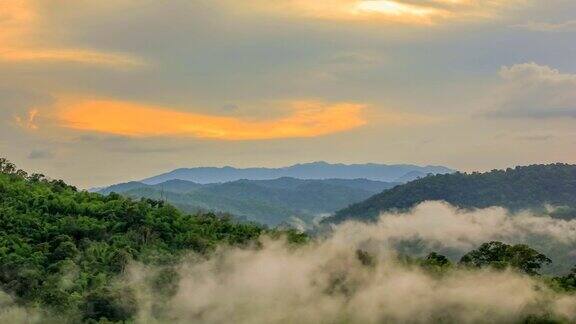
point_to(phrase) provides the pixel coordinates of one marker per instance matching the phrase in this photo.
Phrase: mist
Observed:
(440, 227)
(327, 282)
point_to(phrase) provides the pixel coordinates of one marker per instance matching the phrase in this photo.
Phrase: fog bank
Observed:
(327, 282)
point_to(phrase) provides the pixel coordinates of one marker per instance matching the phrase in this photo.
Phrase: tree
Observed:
(436, 260)
(567, 282)
(499, 255)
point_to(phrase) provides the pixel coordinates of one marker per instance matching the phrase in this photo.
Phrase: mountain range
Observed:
(273, 196)
(269, 202)
(315, 170)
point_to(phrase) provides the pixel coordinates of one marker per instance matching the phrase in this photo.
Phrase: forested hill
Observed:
(519, 188)
(269, 202)
(51, 233)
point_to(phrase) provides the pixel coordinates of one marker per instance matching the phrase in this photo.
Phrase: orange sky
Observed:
(307, 119)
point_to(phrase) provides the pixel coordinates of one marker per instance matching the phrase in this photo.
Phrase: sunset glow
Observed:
(389, 11)
(308, 119)
(395, 8)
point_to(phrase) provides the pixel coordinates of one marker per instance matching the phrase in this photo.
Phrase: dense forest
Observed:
(63, 250)
(529, 187)
(49, 229)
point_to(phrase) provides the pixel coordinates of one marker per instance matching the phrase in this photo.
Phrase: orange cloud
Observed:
(68, 55)
(308, 119)
(20, 25)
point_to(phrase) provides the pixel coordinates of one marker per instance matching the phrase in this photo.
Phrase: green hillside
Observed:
(530, 187)
(51, 233)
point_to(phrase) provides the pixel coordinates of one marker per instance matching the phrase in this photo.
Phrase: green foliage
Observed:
(520, 188)
(436, 263)
(501, 256)
(567, 282)
(62, 249)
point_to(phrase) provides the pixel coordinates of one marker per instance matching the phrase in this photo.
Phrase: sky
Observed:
(99, 92)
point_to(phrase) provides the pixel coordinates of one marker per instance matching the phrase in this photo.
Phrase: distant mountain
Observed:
(411, 176)
(179, 186)
(269, 202)
(120, 188)
(530, 187)
(316, 170)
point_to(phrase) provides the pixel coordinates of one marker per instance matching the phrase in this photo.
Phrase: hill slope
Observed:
(269, 202)
(316, 170)
(520, 188)
(62, 249)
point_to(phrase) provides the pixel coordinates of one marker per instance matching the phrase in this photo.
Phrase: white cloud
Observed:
(536, 91)
(324, 281)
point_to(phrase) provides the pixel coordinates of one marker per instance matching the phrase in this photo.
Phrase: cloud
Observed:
(535, 91)
(40, 154)
(129, 145)
(229, 107)
(444, 226)
(20, 40)
(325, 282)
(528, 73)
(566, 26)
(28, 122)
(536, 138)
(307, 119)
(356, 59)
(69, 55)
(423, 12)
